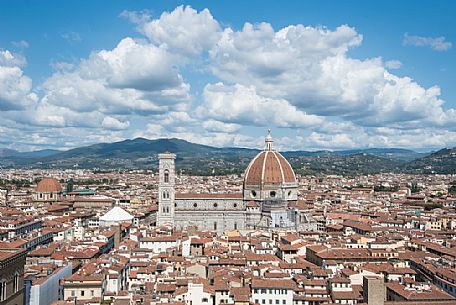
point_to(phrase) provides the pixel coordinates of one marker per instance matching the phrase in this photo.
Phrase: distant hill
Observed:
(139, 153)
(442, 161)
(38, 153)
(6, 152)
(397, 154)
(342, 164)
(11, 153)
(206, 160)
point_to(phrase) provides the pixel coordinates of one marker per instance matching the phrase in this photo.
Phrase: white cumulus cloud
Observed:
(183, 30)
(131, 78)
(15, 87)
(242, 105)
(310, 69)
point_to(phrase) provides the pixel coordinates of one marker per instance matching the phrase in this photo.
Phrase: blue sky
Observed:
(320, 74)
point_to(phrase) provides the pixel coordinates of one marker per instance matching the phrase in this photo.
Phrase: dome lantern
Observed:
(268, 141)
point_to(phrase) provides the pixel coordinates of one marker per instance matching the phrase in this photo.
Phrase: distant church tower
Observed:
(166, 190)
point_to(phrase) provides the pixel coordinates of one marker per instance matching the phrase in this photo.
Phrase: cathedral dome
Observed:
(49, 185)
(269, 167)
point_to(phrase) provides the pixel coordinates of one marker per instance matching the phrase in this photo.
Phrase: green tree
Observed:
(414, 188)
(452, 188)
(70, 186)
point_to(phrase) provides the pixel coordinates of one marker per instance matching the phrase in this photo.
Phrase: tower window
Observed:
(195, 205)
(165, 195)
(215, 226)
(272, 194)
(166, 176)
(215, 204)
(253, 194)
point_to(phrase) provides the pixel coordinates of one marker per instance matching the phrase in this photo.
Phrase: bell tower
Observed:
(166, 182)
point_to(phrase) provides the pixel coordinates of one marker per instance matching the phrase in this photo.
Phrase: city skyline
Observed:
(227, 153)
(321, 75)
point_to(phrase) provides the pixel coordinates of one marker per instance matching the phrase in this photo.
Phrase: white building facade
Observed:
(50, 290)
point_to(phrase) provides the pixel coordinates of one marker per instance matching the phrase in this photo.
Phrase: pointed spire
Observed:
(268, 141)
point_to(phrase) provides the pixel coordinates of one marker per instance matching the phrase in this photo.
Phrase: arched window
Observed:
(16, 283)
(166, 176)
(2, 290)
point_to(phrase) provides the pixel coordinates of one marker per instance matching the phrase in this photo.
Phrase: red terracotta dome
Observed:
(269, 167)
(49, 185)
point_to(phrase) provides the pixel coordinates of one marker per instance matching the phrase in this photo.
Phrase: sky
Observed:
(320, 74)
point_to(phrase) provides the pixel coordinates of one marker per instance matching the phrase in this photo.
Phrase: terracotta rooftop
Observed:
(7, 253)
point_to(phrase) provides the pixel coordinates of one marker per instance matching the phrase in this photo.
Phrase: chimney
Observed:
(373, 290)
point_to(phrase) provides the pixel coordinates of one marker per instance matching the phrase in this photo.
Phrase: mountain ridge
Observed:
(203, 159)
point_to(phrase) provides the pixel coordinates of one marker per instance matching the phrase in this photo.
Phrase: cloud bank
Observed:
(299, 78)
